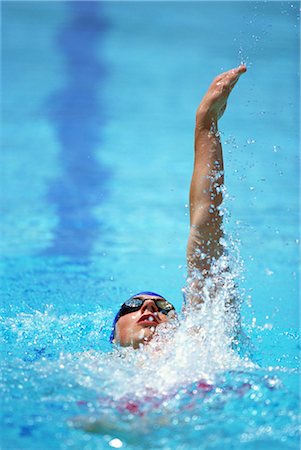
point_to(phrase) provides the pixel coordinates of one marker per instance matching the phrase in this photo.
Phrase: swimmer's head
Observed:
(138, 318)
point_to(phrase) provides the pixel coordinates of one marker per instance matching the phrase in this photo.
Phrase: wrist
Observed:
(205, 120)
(209, 127)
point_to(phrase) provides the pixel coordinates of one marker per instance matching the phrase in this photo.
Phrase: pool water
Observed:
(98, 113)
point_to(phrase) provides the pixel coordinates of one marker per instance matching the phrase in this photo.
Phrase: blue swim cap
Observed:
(117, 315)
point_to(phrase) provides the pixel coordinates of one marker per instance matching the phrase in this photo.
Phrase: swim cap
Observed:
(117, 315)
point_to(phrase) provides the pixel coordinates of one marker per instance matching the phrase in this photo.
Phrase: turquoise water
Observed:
(98, 112)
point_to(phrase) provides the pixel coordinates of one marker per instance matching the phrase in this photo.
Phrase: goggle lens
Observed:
(134, 304)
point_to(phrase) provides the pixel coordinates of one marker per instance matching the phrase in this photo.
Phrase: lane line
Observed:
(77, 116)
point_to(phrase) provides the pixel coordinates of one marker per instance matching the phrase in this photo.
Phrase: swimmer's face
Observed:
(138, 327)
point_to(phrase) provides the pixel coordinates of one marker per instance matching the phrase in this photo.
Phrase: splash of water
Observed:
(198, 346)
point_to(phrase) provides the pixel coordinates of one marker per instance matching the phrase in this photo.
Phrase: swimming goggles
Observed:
(134, 304)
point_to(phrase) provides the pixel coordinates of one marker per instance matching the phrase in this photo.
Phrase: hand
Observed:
(214, 103)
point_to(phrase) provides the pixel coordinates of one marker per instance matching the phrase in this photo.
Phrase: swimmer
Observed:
(137, 319)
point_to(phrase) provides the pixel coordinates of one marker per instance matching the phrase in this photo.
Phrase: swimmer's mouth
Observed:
(148, 319)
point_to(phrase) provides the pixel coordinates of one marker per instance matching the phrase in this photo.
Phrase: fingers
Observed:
(232, 73)
(227, 80)
(240, 69)
(237, 71)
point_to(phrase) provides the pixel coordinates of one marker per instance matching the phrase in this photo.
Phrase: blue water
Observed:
(98, 113)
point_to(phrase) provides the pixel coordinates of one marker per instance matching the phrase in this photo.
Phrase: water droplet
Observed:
(116, 443)
(268, 272)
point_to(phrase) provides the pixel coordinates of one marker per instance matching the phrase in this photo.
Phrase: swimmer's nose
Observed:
(149, 305)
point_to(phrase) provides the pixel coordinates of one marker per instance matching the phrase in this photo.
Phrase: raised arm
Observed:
(204, 243)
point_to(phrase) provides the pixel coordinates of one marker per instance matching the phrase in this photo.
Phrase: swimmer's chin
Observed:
(146, 335)
(141, 338)
(153, 332)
